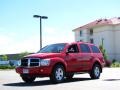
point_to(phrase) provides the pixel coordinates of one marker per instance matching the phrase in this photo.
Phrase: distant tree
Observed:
(107, 62)
(4, 57)
(22, 54)
(103, 49)
(104, 52)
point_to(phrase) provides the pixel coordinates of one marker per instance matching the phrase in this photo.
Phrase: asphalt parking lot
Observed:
(109, 80)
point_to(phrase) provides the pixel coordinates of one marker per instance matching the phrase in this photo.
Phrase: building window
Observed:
(91, 31)
(91, 40)
(81, 33)
(81, 40)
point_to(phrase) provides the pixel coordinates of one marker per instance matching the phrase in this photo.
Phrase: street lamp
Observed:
(41, 17)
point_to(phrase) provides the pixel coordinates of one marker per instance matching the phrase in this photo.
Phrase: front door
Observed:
(72, 58)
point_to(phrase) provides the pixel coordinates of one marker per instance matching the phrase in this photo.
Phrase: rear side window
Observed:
(95, 49)
(84, 48)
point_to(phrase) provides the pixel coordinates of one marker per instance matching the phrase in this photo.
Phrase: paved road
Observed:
(110, 80)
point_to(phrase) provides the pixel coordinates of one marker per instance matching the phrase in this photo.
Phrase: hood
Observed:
(44, 55)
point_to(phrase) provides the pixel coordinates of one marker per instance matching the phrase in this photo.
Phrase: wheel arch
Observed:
(98, 63)
(58, 63)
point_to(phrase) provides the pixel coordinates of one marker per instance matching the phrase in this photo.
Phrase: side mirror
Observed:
(67, 52)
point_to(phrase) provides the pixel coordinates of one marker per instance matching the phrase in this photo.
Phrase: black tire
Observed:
(95, 72)
(28, 79)
(69, 75)
(58, 74)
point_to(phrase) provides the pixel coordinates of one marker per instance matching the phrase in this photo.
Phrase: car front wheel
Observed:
(58, 74)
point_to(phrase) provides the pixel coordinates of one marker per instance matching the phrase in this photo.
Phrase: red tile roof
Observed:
(100, 22)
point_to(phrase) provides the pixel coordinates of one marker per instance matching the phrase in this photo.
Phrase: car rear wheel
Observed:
(58, 74)
(95, 72)
(28, 79)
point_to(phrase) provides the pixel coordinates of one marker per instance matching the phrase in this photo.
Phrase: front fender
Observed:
(57, 60)
(96, 61)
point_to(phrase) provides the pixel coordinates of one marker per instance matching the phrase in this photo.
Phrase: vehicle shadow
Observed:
(44, 82)
(111, 80)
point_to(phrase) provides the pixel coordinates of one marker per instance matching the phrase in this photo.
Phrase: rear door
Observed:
(84, 57)
(96, 53)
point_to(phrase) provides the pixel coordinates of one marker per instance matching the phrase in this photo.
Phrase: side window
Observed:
(95, 49)
(84, 48)
(73, 49)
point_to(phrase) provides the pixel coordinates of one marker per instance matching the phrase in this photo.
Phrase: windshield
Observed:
(54, 48)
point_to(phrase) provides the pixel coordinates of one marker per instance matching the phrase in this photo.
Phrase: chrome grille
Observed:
(30, 62)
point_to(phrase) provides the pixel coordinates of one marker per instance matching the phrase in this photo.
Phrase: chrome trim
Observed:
(29, 62)
(39, 62)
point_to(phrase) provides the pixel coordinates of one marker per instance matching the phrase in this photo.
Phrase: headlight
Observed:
(45, 62)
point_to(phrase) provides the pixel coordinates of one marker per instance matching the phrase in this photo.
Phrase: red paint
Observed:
(73, 62)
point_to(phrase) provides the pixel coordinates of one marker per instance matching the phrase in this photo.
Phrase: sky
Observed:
(19, 31)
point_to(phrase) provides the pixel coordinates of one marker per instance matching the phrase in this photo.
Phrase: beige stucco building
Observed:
(106, 30)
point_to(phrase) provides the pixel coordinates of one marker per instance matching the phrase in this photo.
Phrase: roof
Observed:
(81, 42)
(99, 22)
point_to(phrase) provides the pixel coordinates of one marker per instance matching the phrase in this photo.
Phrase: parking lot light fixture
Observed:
(40, 17)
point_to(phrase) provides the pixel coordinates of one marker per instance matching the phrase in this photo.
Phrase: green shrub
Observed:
(7, 67)
(115, 64)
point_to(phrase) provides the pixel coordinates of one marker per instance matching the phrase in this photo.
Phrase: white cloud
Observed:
(10, 44)
(4, 40)
(57, 36)
(30, 45)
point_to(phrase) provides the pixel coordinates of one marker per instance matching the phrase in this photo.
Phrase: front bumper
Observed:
(34, 71)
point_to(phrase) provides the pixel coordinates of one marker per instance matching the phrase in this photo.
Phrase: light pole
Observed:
(40, 17)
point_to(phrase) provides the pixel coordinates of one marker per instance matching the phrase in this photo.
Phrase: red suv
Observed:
(61, 61)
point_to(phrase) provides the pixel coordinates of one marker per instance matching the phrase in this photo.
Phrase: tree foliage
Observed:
(4, 57)
(22, 54)
(103, 51)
